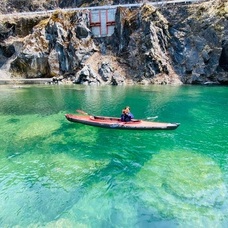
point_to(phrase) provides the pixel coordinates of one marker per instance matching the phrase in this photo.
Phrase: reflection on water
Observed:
(54, 173)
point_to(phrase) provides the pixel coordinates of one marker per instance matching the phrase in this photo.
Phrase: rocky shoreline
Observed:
(25, 81)
(173, 45)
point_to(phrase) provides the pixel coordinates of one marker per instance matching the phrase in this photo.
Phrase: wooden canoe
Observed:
(116, 123)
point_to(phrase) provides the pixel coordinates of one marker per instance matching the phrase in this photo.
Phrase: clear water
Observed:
(54, 173)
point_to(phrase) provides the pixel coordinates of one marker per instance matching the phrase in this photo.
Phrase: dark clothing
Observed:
(126, 117)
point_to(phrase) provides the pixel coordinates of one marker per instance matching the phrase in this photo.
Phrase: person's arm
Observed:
(131, 115)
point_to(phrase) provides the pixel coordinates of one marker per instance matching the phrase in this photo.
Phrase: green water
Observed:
(54, 173)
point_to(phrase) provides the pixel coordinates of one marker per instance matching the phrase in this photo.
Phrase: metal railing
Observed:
(154, 3)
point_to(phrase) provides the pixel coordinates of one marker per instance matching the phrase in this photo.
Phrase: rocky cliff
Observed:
(171, 45)
(198, 42)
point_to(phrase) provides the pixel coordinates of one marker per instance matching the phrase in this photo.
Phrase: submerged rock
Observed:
(184, 186)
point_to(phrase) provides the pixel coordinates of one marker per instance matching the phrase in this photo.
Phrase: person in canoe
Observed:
(126, 115)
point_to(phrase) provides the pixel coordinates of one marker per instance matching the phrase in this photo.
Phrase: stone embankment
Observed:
(172, 45)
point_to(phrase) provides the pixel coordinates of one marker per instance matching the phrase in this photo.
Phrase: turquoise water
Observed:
(54, 173)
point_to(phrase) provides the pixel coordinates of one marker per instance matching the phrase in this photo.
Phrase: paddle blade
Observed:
(82, 112)
(152, 117)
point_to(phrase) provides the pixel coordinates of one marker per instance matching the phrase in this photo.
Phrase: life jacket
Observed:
(125, 117)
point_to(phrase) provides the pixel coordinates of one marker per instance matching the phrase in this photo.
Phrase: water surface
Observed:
(54, 173)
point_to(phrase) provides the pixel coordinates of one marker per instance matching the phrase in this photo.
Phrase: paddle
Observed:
(82, 112)
(85, 113)
(152, 118)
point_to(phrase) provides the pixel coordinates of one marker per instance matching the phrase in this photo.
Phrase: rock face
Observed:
(166, 46)
(198, 44)
(58, 45)
(142, 40)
